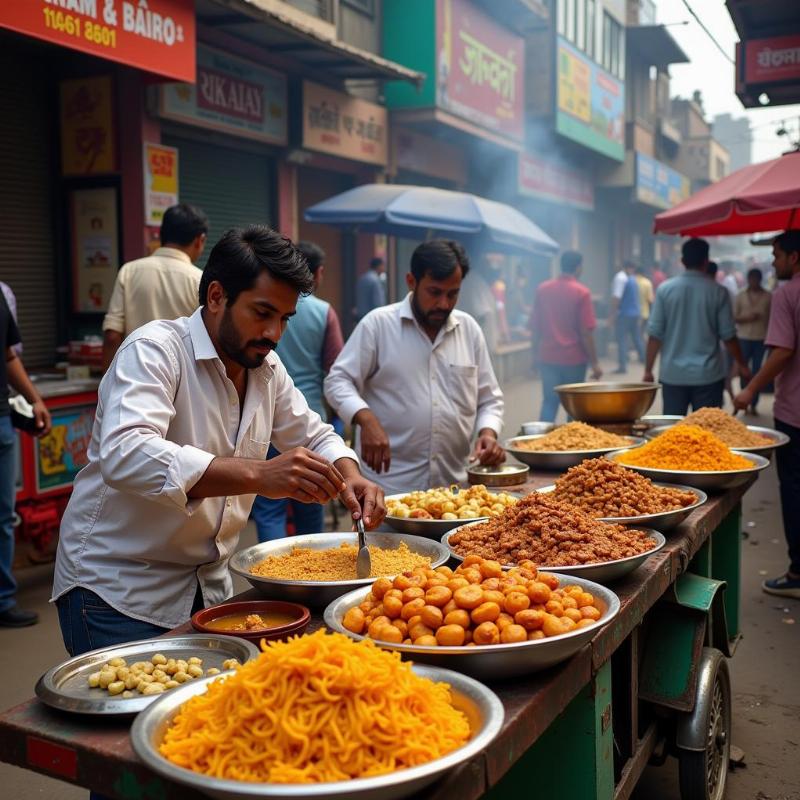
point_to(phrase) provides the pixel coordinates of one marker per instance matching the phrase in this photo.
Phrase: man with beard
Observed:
(416, 379)
(185, 415)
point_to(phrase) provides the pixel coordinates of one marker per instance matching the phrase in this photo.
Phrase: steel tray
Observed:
(557, 459)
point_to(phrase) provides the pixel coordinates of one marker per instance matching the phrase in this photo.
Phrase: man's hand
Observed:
(596, 373)
(300, 474)
(648, 376)
(487, 450)
(375, 449)
(42, 416)
(744, 372)
(363, 497)
(743, 399)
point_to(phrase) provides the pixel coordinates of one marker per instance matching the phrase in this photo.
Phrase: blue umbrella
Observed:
(418, 212)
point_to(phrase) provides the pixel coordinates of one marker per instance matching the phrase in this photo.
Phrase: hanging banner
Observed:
(160, 181)
(63, 452)
(154, 35)
(87, 127)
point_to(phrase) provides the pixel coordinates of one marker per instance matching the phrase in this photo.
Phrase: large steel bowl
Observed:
(604, 571)
(493, 662)
(664, 520)
(778, 439)
(557, 459)
(709, 481)
(607, 402)
(480, 704)
(320, 593)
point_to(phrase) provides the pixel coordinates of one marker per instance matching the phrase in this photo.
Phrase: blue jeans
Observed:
(628, 327)
(270, 515)
(753, 351)
(678, 398)
(553, 375)
(8, 491)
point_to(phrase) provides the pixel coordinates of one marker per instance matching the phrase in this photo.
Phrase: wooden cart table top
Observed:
(96, 752)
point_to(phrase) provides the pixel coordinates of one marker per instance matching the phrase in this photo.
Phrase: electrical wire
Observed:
(707, 31)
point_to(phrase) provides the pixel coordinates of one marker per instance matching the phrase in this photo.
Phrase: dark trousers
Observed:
(628, 329)
(677, 399)
(787, 460)
(553, 375)
(753, 351)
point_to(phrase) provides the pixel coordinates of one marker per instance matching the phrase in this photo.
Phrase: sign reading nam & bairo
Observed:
(154, 35)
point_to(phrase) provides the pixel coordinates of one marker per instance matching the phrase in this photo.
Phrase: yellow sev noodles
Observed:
(315, 709)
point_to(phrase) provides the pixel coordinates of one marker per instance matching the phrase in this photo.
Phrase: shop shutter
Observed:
(27, 259)
(232, 186)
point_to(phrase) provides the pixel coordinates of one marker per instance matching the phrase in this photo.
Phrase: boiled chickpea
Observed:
(504, 620)
(354, 620)
(209, 671)
(529, 619)
(534, 635)
(415, 631)
(107, 676)
(193, 660)
(473, 575)
(470, 560)
(388, 633)
(172, 684)
(549, 579)
(444, 571)
(412, 608)
(450, 636)
(539, 592)
(403, 582)
(485, 612)
(428, 640)
(412, 593)
(490, 584)
(553, 626)
(438, 596)
(159, 658)
(401, 625)
(569, 602)
(516, 601)
(458, 617)
(573, 613)
(380, 587)
(468, 636)
(555, 608)
(94, 680)
(585, 599)
(432, 617)
(468, 597)
(117, 687)
(513, 633)
(153, 688)
(585, 623)
(451, 605)
(194, 671)
(456, 583)
(375, 626)
(568, 624)
(117, 662)
(415, 620)
(590, 612)
(392, 606)
(486, 633)
(494, 596)
(490, 569)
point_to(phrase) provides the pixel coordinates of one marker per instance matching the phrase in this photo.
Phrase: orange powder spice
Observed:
(685, 447)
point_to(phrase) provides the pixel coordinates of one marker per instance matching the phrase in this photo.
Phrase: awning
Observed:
(654, 44)
(283, 33)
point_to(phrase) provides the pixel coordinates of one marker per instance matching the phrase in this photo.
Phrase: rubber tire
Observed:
(692, 764)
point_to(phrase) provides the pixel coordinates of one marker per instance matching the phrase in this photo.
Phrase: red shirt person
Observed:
(562, 322)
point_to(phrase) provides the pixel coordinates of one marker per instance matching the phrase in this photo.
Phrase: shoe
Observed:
(17, 618)
(783, 586)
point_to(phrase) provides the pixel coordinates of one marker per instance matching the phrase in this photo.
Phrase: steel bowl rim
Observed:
(595, 453)
(249, 576)
(754, 457)
(700, 495)
(609, 598)
(779, 438)
(592, 387)
(491, 726)
(577, 568)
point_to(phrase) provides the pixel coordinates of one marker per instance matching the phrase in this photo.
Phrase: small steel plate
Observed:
(65, 687)
(501, 475)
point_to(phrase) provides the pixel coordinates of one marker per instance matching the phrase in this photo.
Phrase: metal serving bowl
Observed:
(664, 520)
(557, 459)
(492, 662)
(651, 420)
(605, 571)
(501, 475)
(778, 439)
(480, 704)
(320, 593)
(537, 426)
(706, 480)
(607, 402)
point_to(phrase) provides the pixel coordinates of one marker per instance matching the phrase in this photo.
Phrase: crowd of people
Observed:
(227, 391)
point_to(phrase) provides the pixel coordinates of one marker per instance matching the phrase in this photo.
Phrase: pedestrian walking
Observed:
(646, 297)
(161, 286)
(563, 323)
(371, 289)
(690, 315)
(751, 314)
(659, 276)
(626, 314)
(309, 346)
(417, 380)
(783, 366)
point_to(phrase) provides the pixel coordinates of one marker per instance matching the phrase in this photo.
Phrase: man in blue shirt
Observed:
(689, 317)
(626, 314)
(370, 289)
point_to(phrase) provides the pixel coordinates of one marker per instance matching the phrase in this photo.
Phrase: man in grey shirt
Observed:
(370, 289)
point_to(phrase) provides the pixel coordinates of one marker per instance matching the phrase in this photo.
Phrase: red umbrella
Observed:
(758, 198)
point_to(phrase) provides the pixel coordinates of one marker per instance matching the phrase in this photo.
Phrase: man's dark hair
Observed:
(439, 258)
(571, 261)
(182, 224)
(755, 272)
(788, 241)
(626, 265)
(694, 253)
(711, 269)
(242, 254)
(313, 253)
(376, 262)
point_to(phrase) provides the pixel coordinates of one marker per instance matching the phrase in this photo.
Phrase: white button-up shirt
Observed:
(165, 410)
(430, 397)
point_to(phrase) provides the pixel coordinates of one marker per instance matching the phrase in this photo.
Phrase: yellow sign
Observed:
(574, 86)
(160, 181)
(87, 127)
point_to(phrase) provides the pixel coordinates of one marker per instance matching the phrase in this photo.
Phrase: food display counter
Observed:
(584, 729)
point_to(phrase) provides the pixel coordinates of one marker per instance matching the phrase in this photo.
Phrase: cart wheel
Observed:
(704, 773)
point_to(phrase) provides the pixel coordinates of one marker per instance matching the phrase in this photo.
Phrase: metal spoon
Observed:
(363, 563)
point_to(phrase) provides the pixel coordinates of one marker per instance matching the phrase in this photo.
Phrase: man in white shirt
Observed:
(185, 415)
(161, 286)
(416, 379)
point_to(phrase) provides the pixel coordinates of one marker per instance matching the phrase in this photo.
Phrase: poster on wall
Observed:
(95, 247)
(63, 452)
(160, 181)
(87, 126)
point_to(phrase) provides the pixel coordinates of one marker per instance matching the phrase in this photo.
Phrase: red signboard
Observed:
(539, 178)
(775, 59)
(479, 68)
(154, 35)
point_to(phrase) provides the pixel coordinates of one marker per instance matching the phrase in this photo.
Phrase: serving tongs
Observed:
(363, 563)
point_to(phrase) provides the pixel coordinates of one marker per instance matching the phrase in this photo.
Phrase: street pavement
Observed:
(766, 689)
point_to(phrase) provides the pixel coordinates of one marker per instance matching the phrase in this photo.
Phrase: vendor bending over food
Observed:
(416, 379)
(184, 418)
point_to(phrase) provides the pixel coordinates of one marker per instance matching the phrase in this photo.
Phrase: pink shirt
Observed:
(561, 313)
(783, 331)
